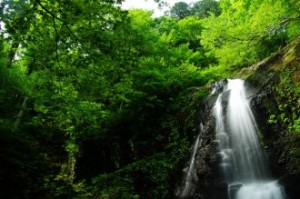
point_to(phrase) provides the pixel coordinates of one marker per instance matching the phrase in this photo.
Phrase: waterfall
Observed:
(223, 141)
(191, 175)
(243, 164)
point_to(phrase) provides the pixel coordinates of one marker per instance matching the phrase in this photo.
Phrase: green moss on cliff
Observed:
(288, 91)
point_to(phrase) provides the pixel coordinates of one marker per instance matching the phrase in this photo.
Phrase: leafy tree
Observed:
(204, 8)
(92, 95)
(180, 10)
(238, 38)
(54, 41)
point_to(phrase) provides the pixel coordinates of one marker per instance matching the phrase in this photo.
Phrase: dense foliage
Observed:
(97, 102)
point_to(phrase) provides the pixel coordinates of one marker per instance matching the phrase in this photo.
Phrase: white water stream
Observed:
(191, 175)
(242, 159)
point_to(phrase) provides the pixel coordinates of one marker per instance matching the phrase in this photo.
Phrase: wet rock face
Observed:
(206, 162)
(279, 142)
(276, 138)
(209, 182)
(291, 185)
(218, 87)
(206, 157)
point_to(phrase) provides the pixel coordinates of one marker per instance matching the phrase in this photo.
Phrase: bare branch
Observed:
(21, 113)
(66, 23)
(288, 19)
(56, 42)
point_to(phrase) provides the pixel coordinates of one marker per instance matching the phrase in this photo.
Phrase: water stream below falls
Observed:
(191, 175)
(243, 163)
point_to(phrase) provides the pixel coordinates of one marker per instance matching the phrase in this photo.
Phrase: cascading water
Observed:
(191, 174)
(242, 159)
(223, 141)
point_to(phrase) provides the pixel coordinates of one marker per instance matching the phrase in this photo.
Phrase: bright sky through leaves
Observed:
(151, 5)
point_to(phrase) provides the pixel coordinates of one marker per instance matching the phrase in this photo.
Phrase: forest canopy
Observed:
(100, 102)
